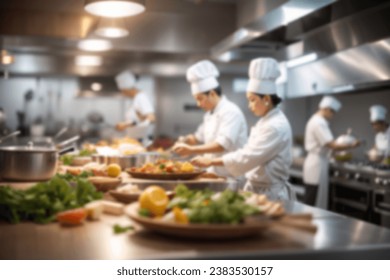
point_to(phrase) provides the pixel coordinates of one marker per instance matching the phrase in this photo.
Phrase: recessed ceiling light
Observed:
(95, 45)
(114, 8)
(111, 28)
(88, 60)
(112, 32)
(96, 86)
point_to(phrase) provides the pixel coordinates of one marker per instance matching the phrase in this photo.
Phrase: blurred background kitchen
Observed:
(51, 77)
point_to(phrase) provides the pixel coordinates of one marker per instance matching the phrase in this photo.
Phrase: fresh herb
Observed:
(144, 212)
(86, 153)
(44, 200)
(121, 229)
(162, 166)
(67, 159)
(71, 178)
(206, 207)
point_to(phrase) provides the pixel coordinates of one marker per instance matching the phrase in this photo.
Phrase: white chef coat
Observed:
(316, 165)
(140, 105)
(226, 125)
(266, 158)
(382, 142)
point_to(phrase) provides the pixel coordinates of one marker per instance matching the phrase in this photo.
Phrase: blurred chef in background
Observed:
(224, 127)
(141, 113)
(319, 142)
(382, 129)
(266, 158)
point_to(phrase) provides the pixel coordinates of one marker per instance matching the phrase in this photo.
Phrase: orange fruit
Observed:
(154, 199)
(114, 170)
(180, 216)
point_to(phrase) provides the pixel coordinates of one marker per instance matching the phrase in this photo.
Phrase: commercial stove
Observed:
(361, 189)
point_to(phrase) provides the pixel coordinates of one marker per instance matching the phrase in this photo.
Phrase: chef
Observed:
(224, 127)
(319, 142)
(266, 157)
(382, 129)
(141, 112)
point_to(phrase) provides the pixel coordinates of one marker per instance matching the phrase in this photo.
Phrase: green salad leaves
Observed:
(43, 201)
(205, 206)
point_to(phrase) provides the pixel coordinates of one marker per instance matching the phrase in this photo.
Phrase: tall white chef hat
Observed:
(377, 113)
(202, 76)
(263, 73)
(330, 102)
(125, 80)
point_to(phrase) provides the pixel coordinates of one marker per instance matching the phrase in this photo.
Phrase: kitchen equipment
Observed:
(9, 135)
(346, 139)
(27, 163)
(128, 160)
(60, 132)
(31, 163)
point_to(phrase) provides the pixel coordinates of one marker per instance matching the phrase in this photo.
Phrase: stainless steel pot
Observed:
(27, 163)
(129, 160)
(31, 163)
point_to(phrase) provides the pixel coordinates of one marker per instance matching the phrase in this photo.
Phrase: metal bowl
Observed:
(20, 163)
(129, 160)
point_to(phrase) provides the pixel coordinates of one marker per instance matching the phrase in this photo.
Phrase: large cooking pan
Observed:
(30, 163)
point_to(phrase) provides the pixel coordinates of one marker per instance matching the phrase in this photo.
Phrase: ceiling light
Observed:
(88, 60)
(6, 57)
(111, 28)
(96, 86)
(114, 8)
(95, 45)
(301, 60)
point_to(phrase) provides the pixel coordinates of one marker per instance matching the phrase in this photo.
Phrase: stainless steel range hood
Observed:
(270, 16)
(349, 40)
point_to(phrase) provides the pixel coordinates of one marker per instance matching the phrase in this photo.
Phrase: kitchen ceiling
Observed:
(43, 35)
(172, 34)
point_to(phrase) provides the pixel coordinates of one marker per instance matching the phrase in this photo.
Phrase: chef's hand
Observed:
(123, 125)
(182, 149)
(201, 161)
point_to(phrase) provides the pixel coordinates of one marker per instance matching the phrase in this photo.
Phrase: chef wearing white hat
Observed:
(141, 111)
(266, 157)
(381, 126)
(224, 127)
(319, 141)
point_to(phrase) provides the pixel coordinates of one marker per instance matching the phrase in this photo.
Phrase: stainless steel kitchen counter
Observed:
(338, 237)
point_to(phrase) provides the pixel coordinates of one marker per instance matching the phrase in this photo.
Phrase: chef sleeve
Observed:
(323, 134)
(199, 133)
(229, 130)
(142, 105)
(261, 148)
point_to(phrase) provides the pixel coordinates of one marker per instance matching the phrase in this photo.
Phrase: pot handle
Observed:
(67, 142)
(60, 132)
(17, 132)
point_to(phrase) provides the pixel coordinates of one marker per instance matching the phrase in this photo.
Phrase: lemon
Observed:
(114, 170)
(154, 199)
(187, 167)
